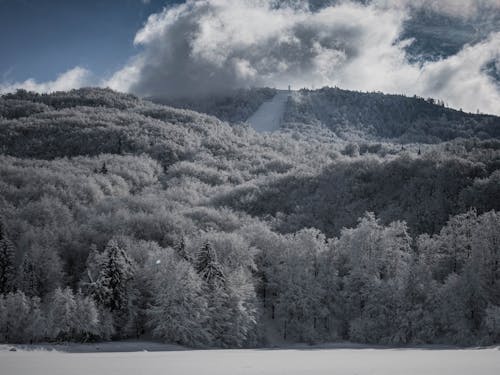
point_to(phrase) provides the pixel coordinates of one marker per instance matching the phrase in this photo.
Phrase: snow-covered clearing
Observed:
(270, 114)
(299, 360)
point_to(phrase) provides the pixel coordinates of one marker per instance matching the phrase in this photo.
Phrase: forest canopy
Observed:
(123, 218)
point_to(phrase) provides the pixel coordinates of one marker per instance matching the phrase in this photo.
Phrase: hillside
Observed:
(235, 106)
(209, 222)
(352, 114)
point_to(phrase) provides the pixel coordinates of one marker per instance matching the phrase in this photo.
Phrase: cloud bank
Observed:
(71, 79)
(203, 47)
(208, 46)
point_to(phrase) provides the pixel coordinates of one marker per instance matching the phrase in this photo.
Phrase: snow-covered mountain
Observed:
(349, 115)
(123, 218)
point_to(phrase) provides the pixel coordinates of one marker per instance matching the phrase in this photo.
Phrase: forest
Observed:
(124, 218)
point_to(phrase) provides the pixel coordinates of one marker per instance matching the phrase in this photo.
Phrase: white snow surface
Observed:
(304, 360)
(270, 114)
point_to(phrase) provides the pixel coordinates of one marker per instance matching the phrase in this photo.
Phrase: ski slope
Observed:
(270, 114)
(303, 361)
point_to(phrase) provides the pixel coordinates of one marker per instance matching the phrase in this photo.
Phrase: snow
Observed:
(331, 360)
(270, 114)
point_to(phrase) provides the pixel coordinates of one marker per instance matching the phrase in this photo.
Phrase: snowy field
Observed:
(299, 360)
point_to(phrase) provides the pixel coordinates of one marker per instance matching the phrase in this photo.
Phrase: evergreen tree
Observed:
(110, 288)
(208, 267)
(180, 249)
(7, 262)
(210, 271)
(29, 281)
(40, 271)
(104, 168)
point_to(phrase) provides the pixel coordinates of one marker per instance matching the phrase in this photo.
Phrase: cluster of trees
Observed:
(62, 316)
(235, 106)
(376, 115)
(90, 97)
(423, 190)
(377, 284)
(372, 284)
(124, 218)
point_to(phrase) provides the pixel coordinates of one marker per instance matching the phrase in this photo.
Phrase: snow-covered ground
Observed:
(270, 114)
(299, 360)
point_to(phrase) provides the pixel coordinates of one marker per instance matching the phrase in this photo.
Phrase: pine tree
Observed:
(180, 249)
(110, 289)
(210, 271)
(114, 273)
(7, 262)
(208, 267)
(104, 169)
(28, 281)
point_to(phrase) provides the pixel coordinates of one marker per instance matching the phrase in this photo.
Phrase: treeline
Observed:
(124, 218)
(380, 116)
(234, 106)
(373, 284)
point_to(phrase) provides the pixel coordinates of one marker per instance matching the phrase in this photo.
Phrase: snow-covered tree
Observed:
(492, 323)
(180, 249)
(29, 282)
(86, 322)
(40, 271)
(373, 264)
(208, 267)
(301, 294)
(7, 262)
(23, 320)
(71, 317)
(3, 319)
(414, 313)
(178, 310)
(485, 248)
(109, 287)
(61, 314)
(242, 310)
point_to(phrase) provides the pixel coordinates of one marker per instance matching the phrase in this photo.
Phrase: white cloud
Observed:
(212, 45)
(73, 78)
(123, 79)
(460, 78)
(205, 46)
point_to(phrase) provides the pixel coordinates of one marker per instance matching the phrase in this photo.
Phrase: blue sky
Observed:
(42, 38)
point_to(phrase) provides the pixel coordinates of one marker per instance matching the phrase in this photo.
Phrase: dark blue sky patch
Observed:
(43, 38)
